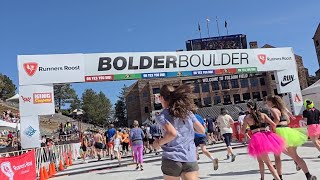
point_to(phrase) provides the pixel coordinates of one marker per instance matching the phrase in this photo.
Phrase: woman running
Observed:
(84, 146)
(293, 137)
(117, 143)
(262, 142)
(225, 121)
(178, 123)
(125, 142)
(136, 136)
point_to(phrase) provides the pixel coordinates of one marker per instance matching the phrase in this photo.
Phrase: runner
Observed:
(178, 124)
(200, 140)
(117, 149)
(125, 142)
(225, 121)
(262, 142)
(293, 137)
(136, 136)
(110, 137)
(84, 146)
(312, 116)
(241, 117)
(98, 145)
(211, 129)
(155, 132)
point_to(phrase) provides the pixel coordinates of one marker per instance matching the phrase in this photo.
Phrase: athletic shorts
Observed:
(200, 140)
(227, 138)
(110, 144)
(145, 139)
(84, 148)
(117, 147)
(210, 130)
(98, 145)
(173, 168)
(151, 141)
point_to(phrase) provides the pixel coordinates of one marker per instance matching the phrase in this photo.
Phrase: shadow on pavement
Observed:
(237, 173)
(158, 177)
(112, 172)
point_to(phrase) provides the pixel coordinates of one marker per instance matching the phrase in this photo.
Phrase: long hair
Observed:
(279, 104)
(256, 115)
(180, 100)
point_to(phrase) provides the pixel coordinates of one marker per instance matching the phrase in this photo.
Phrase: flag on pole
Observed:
(207, 19)
(225, 24)
(199, 28)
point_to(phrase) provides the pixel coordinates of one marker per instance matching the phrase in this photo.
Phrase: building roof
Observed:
(317, 31)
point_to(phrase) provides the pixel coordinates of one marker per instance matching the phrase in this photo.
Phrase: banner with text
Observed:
(19, 167)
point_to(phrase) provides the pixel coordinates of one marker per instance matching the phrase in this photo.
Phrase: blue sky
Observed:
(49, 27)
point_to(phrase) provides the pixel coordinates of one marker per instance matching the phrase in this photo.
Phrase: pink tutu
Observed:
(264, 143)
(313, 130)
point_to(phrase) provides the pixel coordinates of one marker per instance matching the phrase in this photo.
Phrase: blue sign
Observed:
(154, 75)
(203, 72)
(179, 74)
(30, 131)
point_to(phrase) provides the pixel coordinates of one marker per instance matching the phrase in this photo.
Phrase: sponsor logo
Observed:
(262, 58)
(7, 169)
(287, 79)
(99, 78)
(297, 98)
(30, 68)
(26, 99)
(30, 131)
(40, 98)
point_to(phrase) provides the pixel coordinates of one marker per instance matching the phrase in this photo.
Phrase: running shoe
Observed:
(312, 178)
(141, 167)
(137, 167)
(318, 156)
(233, 158)
(215, 164)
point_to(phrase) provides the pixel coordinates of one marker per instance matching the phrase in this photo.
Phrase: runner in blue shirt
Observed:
(200, 140)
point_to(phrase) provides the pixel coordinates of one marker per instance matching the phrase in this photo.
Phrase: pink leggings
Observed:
(138, 153)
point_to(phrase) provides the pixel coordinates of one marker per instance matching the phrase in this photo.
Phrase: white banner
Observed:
(36, 100)
(47, 69)
(30, 132)
(287, 81)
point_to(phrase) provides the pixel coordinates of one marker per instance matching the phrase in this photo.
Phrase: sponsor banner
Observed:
(287, 81)
(298, 122)
(227, 77)
(36, 100)
(296, 102)
(226, 71)
(153, 75)
(179, 74)
(18, 167)
(150, 62)
(126, 76)
(45, 69)
(30, 132)
(203, 72)
(247, 70)
(99, 78)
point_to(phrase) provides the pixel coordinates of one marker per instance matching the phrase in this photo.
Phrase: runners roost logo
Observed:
(30, 68)
(262, 58)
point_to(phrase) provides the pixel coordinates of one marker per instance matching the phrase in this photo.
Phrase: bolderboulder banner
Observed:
(18, 167)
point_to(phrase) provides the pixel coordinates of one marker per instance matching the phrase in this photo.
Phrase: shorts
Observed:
(210, 130)
(116, 147)
(98, 145)
(151, 141)
(173, 168)
(84, 148)
(145, 139)
(227, 138)
(110, 144)
(200, 140)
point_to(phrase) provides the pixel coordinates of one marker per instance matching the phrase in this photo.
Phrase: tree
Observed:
(7, 88)
(96, 106)
(76, 103)
(120, 108)
(62, 94)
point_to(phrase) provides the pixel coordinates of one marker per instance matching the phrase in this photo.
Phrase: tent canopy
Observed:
(313, 89)
(14, 98)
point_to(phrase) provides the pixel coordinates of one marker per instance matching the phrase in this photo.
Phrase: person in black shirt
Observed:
(211, 128)
(312, 116)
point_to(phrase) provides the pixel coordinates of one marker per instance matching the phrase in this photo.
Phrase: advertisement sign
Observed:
(46, 69)
(19, 167)
(287, 81)
(36, 100)
(30, 132)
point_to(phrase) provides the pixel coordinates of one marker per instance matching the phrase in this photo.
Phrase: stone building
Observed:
(316, 41)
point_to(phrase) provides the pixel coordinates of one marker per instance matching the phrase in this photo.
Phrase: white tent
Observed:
(9, 125)
(313, 93)
(14, 98)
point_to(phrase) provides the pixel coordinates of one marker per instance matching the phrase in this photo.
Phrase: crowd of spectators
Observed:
(9, 116)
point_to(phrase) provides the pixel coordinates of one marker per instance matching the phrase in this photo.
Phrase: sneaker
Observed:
(297, 167)
(312, 178)
(228, 157)
(111, 157)
(318, 156)
(99, 157)
(157, 153)
(137, 167)
(141, 167)
(215, 164)
(233, 158)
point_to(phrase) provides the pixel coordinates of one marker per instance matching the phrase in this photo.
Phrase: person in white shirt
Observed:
(246, 138)
(225, 123)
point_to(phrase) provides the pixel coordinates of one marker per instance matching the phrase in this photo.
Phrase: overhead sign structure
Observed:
(98, 67)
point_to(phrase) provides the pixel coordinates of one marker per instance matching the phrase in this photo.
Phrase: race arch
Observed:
(38, 73)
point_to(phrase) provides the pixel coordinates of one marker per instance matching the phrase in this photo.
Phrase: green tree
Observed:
(121, 108)
(63, 93)
(7, 88)
(76, 103)
(96, 106)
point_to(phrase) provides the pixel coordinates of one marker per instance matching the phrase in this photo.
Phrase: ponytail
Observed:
(256, 115)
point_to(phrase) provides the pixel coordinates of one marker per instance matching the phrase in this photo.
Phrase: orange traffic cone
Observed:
(50, 171)
(45, 173)
(41, 174)
(61, 168)
(67, 162)
(54, 168)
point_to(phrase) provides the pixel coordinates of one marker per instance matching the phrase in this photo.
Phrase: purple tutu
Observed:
(265, 142)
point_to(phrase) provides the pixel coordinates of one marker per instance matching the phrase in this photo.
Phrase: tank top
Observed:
(262, 125)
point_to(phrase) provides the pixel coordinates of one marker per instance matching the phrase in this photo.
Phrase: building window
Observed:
(205, 87)
(225, 84)
(254, 82)
(217, 100)
(207, 101)
(262, 82)
(234, 83)
(156, 90)
(246, 96)
(272, 77)
(244, 83)
(197, 102)
(196, 88)
(226, 99)
(264, 93)
(256, 95)
(236, 98)
(317, 43)
(215, 86)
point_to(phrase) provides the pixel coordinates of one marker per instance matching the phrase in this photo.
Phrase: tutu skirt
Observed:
(293, 136)
(313, 130)
(265, 142)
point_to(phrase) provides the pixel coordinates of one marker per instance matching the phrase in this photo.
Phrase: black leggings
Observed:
(227, 138)
(125, 146)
